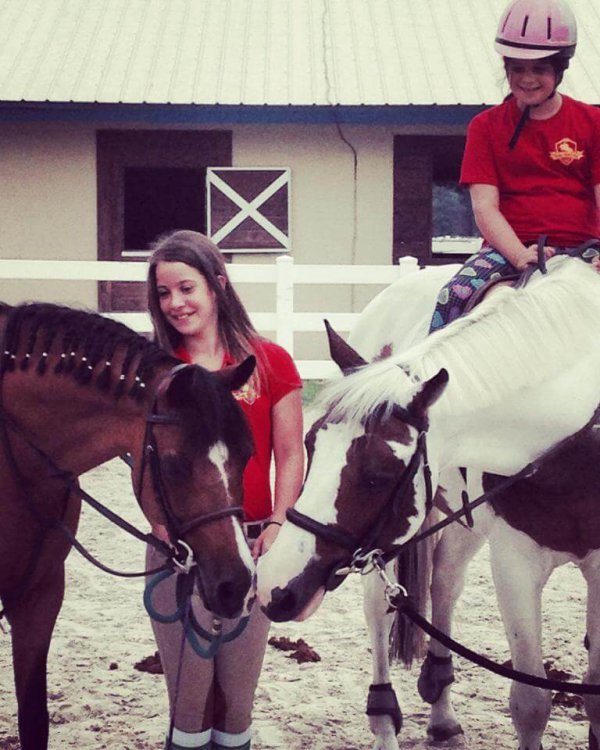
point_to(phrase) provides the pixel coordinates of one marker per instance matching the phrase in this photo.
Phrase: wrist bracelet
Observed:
(272, 523)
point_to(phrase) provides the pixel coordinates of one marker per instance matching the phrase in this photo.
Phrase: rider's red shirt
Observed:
(546, 183)
(281, 377)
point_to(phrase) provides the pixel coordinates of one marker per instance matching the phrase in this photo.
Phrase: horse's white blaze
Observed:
(243, 549)
(323, 481)
(405, 453)
(294, 547)
(218, 456)
(402, 451)
(287, 557)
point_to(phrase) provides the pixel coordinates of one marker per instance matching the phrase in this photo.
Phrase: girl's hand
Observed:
(530, 256)
(596, 263)
(265, 540)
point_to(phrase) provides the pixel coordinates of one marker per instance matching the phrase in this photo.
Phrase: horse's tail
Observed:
(413, 571)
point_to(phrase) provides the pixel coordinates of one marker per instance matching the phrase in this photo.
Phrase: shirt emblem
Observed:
(247, 393)
(565, 151)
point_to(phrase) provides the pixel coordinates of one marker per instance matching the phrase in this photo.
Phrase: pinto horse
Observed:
(76, 390)
(492, 391)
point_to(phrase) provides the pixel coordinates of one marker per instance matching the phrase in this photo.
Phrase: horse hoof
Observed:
(592, 741)
(443, 734)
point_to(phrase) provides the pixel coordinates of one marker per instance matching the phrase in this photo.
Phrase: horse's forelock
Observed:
(371, 391)
(206, 408)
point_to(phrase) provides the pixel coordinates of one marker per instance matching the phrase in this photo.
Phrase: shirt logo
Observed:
(565, 151)
(247, 393)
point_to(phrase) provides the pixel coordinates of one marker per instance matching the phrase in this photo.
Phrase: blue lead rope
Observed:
(183, 613)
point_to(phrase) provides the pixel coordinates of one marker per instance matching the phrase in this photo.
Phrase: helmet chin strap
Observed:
(526, 112)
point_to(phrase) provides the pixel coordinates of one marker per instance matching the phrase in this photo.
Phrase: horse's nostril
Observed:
(229, 597)
(283, 602)
(226, 591)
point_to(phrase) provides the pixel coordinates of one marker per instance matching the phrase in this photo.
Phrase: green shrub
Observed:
(310, 390)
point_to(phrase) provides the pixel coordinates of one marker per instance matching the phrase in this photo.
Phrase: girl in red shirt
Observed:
(532, 163)
(198, 316)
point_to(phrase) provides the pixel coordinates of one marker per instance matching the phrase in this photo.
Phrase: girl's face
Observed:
(186, 300)
(531, 81)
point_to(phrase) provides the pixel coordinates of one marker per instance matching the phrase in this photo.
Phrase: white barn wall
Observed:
(323, 205)
(48, 204)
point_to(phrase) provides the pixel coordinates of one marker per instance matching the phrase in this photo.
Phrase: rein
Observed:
(397, 597)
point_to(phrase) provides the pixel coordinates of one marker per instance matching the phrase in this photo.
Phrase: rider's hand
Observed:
(529, 257)
(596, 263)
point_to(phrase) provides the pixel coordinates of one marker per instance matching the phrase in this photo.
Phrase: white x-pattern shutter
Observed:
(249, 208)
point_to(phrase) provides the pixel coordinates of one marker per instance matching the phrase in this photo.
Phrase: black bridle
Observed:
(150, 455)
(362, 548)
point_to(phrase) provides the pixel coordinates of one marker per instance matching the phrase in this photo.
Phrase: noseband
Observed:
(150, 455)
(362, 549)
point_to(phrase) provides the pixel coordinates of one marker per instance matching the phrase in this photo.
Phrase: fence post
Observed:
(284, 303)
(408, 264)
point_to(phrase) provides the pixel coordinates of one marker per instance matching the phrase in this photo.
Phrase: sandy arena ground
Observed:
(98, 700)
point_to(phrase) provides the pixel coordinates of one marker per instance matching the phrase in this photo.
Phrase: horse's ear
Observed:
(431, 390)
(345, 357)
(235, 376)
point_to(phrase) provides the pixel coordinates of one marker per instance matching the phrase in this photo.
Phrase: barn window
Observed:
(150, 182)
(433, 219)
(159, 200)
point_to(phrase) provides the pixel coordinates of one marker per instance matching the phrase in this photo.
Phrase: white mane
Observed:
(516, 339)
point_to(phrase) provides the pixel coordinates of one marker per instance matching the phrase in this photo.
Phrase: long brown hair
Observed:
(235, 329)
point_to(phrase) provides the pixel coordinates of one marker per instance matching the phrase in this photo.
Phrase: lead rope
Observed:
(178, 677)
(397, 597)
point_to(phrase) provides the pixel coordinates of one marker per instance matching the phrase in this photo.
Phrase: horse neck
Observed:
(78, 426)
(504, 435)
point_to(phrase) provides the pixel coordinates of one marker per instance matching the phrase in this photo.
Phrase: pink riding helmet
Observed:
(533, 29)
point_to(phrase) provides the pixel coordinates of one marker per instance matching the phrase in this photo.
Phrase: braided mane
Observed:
(81, 344)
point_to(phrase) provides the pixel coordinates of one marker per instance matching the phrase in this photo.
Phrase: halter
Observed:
(362, 550)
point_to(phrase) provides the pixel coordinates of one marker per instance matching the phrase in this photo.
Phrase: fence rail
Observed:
(284, 274)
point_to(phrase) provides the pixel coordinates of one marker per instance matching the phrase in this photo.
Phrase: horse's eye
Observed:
(175, 468)
(375, 481)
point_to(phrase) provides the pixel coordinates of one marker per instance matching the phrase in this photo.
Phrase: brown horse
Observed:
(76, 390)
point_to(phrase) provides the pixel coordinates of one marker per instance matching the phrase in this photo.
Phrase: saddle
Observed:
(519, 280)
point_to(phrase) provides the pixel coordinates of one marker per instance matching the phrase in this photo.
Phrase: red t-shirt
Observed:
(546, 183)
(282, 377)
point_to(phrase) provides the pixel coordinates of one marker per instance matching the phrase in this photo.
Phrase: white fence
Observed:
(284, 274)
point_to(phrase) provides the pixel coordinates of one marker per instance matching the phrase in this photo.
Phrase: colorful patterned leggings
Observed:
(484, 266)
